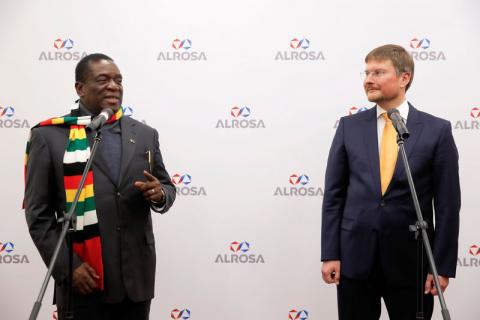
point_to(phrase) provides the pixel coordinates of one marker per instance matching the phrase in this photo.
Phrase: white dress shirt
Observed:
(402, 109)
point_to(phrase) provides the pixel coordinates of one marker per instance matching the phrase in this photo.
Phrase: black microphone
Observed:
(100, 120)
(398, 123)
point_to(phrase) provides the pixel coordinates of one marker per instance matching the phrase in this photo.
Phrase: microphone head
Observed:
(392, 111)
(98, 121)
(398, 123)
(108, 112)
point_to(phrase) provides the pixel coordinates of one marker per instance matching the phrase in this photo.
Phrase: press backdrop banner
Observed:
(246, 96)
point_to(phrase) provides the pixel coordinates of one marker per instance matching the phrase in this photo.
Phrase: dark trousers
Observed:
(92, 307)
(360, 299)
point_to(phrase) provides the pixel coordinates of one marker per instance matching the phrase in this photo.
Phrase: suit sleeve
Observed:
(446, 201)
(41, 206)
(336, 184)
(162, 175)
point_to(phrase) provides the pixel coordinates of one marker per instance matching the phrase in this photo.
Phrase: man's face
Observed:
(382, 84)
(102, 87)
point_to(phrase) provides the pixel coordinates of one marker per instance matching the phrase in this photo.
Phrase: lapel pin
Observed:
(132, 141)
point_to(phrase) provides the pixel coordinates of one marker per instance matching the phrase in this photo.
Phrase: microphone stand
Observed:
(420, 227)
(69, 221)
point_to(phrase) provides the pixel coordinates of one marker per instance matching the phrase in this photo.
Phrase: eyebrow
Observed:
(108, 76)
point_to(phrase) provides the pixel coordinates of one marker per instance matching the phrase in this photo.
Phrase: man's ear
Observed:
(405, 79)
(79, 86)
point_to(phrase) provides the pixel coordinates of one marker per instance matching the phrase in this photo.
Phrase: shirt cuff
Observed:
(159, 206)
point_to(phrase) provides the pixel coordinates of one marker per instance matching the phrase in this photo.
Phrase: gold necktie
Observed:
(388, 153)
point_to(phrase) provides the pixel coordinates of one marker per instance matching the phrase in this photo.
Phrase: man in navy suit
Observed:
(367, 248)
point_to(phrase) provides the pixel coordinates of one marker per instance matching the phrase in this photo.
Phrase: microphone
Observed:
(100, 120)
(398, 123)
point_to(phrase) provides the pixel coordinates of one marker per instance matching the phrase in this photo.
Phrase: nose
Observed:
(113, 85)
(368, 78)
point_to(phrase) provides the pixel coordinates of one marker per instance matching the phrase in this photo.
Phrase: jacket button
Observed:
(382, 204)
(118, 194)
(117, 228)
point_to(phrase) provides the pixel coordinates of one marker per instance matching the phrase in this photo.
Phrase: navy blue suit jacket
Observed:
(360, 227)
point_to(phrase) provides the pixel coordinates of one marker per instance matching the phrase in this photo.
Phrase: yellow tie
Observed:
(388, 153)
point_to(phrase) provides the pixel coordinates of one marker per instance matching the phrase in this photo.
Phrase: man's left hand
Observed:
(430, 284)
(152, 188)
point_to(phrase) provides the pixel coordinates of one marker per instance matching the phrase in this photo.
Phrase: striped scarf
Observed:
(86, 239)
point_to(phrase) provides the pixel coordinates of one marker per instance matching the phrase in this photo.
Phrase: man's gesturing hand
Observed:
(152, 188)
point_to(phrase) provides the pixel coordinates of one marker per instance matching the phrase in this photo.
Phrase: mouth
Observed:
(112, 99)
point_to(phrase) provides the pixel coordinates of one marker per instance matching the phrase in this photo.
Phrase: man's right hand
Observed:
(85, 279)
(331, 271)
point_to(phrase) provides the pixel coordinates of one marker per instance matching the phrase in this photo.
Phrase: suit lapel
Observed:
(415, 127)
(371, 146)
(129, 139)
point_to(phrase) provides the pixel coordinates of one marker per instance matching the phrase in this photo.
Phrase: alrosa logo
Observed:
(7, 112)
(7, 256)
(180, 314)
(420, 52)
(351, 111)
(241, 118)
(474, 250)
(240, 253)
(298, 314)
(473, 124)
(63, 51)
(178, 179)
(298, 187)
(182, 51)
(182, 185)
(299, 52)
(472, 259)
(181, 44)
(475, 113)
(242, 246)
(243, 112)
(423, 43)
(302, 43)
(60, 44)
(7, 247)
(355, 110)
(296, 179)
(8, 121)
(127, 111)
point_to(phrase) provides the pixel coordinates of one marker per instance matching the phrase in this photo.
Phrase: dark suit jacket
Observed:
(360, 227)
(128, 244)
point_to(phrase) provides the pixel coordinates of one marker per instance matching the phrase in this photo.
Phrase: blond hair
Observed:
(400, 58)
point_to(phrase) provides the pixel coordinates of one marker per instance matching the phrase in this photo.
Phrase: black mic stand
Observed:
(420, 227)
(69, 221)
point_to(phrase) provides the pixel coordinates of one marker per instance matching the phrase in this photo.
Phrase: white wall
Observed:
(236, 171)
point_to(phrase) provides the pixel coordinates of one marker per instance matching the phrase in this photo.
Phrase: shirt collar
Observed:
(402, 109)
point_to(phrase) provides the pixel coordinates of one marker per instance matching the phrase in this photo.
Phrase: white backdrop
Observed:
(235, 183)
